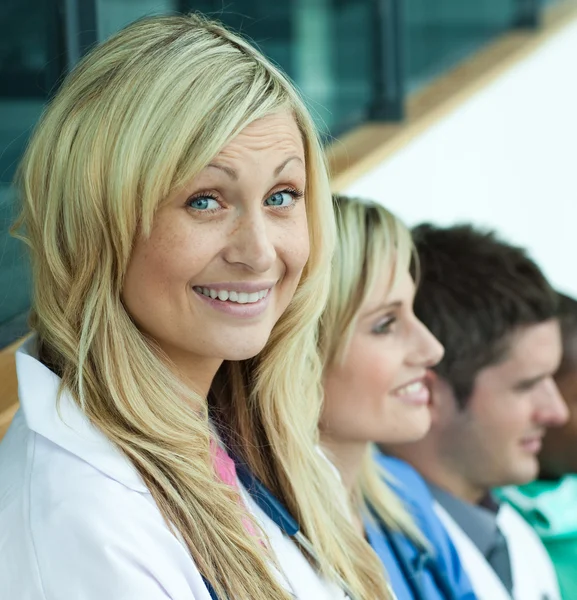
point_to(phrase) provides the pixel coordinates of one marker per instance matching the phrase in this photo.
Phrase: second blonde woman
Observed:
(376, 356)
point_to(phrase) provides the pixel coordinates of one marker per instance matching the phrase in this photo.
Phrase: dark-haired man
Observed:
(493, 397)
(550, 504)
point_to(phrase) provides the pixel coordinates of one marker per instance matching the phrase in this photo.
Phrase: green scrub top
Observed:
(551, 509)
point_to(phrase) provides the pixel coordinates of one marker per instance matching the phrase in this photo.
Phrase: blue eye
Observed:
(281, 199)
(203, 203)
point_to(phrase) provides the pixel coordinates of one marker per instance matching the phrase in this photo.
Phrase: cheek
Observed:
(360, 386)
(160, 270)
(378, 380)
(303, 250)
(504, 418)
(146, 280)
(373, 365)
(293, 242)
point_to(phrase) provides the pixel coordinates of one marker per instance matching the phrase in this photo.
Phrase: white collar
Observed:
(67, 426)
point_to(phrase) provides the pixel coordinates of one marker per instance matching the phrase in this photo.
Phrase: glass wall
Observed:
(441, 34)
(29, 69)
(354, 60)
(323, 45)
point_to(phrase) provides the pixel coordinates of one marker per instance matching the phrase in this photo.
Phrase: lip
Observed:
(234, 309)
(250, 287)
(532, 444)
(421, 397)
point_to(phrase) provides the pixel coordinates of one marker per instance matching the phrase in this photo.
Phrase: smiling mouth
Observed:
(413, 392)
(232, 295)
(415, 387)
(532, 443)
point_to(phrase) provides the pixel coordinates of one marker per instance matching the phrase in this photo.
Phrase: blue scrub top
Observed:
(411, 488)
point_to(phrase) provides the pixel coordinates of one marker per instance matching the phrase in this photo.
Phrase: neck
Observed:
(456, 485)
(196, 372)
(347, 456)
(435, 470)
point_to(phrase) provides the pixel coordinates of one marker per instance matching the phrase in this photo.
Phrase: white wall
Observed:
(507, 159)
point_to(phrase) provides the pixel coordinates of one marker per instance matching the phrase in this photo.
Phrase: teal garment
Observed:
(550, 507)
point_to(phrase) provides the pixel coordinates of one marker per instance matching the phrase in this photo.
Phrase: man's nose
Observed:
(552, 411)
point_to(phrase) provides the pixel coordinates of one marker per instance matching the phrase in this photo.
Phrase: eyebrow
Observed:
(527, 384)
(383, 308)
(234, 174)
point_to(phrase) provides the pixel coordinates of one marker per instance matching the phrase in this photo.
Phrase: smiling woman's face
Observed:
(377, 392)
(226, 253)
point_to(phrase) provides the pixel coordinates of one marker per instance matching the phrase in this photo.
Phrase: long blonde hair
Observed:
(371, 241)
(140, 115)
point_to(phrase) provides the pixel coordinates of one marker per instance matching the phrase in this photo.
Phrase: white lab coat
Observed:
(531, 568)
(78, 523)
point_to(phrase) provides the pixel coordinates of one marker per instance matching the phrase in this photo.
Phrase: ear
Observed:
(443, 403)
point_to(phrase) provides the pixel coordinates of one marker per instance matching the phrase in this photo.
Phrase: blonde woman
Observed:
(176, 206)
(376, 354)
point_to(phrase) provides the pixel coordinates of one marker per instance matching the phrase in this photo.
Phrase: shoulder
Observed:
(413, 490)
(523, 542)
(546, 505)
(415, 494)
(406, 482)
(80, 533)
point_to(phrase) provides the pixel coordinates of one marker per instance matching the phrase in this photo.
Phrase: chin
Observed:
(412, 431)
(240, 351)
(525, 472)
(421, 424)
(415, 436)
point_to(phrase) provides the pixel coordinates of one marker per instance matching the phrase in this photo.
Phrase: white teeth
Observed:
(412, 388)
(232, 296)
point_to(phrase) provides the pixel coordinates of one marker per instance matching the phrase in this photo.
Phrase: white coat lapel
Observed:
(485, 582)
(533, 573)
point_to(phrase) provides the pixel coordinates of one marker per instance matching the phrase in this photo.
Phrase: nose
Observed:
(250, 243)
(552, 410)
(427, 350)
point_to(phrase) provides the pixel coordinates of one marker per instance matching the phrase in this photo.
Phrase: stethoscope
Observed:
(423, 560)
(279, 515)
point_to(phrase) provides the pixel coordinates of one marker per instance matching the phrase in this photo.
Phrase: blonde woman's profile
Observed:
(376, 355)
(176, 206)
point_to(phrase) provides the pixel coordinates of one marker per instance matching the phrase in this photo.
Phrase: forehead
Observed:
(402, 291)
(276, 134)
(534, 350)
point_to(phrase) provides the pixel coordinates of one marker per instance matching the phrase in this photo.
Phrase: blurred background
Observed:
(444, 110)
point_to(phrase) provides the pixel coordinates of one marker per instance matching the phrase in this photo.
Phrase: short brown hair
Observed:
(475, 291)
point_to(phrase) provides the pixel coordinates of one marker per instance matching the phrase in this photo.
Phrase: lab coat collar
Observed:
(66, 425)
